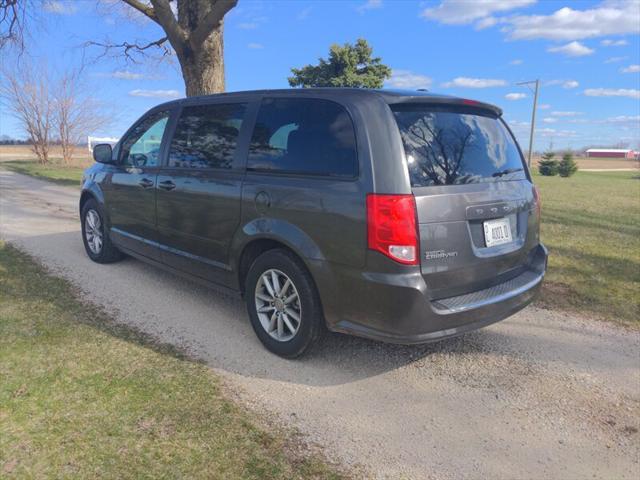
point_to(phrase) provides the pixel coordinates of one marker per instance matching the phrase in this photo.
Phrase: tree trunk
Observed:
(203, 68)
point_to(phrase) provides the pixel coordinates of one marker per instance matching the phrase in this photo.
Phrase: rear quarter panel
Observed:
(322, 218)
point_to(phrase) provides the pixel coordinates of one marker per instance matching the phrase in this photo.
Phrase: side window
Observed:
(206, 136)
(303, 135)
(142, 147)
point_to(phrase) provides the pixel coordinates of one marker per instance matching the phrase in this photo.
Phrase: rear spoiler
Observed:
(454, 101)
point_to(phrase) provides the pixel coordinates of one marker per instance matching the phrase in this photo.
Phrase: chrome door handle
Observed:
(145, 183)
(167, 185)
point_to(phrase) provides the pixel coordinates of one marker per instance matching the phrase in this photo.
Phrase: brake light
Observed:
(466, 101)
(391, 227)
(538, 200)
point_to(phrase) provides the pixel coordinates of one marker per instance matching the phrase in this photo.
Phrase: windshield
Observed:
(456, 145)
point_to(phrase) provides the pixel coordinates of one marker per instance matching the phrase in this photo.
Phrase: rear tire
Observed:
(95, 236)
(283, 304)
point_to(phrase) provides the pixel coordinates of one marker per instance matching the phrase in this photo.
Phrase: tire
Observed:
(280, 317)
(107, 252)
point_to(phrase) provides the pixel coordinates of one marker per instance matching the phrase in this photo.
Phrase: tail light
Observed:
(538, 200)
(391, 227)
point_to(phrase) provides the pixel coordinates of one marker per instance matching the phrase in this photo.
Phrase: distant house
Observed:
(611, 153)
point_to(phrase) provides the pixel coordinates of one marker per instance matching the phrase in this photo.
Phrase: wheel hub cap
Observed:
(279, 304)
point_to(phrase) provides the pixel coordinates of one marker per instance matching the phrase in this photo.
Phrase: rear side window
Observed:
(453, 146)
(305, 136)
(206, 136)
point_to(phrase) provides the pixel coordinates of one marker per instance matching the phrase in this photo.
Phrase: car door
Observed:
(199, 189)
(130, 194)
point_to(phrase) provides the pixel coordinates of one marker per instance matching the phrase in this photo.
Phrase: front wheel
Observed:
(95, 236)
(283, 304)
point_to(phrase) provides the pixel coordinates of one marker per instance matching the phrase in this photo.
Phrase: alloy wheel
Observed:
(93, 231)
(278, 305)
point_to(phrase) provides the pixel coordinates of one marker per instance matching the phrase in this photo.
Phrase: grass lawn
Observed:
(591, 225)
(55, 171)
(81, 397)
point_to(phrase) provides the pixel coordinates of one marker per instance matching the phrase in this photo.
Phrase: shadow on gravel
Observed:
(214, 327)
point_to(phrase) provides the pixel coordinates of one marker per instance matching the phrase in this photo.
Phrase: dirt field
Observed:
(23, 152)
(599, 163)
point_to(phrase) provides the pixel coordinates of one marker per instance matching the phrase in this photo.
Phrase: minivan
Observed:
(399, 216)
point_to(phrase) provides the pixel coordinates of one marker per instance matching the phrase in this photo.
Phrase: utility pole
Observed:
(533, 114)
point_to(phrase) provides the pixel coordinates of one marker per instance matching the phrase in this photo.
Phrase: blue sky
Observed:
(586, 54)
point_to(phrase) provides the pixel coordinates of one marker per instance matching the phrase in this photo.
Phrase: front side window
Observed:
(142, 147)
(305, 136)
(449, 145)
(206, 136)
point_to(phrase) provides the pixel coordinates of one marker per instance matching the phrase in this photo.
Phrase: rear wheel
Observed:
(283, 304)
(94, 235)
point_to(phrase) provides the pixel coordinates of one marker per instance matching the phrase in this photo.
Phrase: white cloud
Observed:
(615, 59)
(612, 92)
(127, 75)
(614, 43)
(408, 79)
(549, 120)
(515, 96)
(518, 125)
(572, 49)
(564, 83)
(516, 62)
(486, 23)
(631, 69)
(369, 5)
(455, 12)
(552, 132)
(612, 17)
(255, 46)
(155, 93)
(566, 114)
(60, 7)
(544, 106)
(634, 119)
(466, 82)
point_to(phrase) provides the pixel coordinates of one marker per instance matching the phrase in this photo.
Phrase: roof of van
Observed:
(391, 96)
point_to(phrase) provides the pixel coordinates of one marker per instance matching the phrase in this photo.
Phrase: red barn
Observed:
(610, 153)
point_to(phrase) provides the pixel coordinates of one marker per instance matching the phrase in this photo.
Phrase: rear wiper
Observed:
(507, 172)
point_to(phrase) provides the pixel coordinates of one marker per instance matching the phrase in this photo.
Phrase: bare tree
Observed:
(194, 32)
(28, 98)
(13, 17)
(76, 113)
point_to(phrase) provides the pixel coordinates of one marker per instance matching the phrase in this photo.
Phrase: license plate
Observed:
(497, 232)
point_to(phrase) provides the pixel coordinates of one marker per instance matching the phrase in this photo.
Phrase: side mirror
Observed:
(103, 153)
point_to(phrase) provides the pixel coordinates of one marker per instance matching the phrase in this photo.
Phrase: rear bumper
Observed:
(397, 308)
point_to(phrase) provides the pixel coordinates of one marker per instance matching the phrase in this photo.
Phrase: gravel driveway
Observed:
(540, 395)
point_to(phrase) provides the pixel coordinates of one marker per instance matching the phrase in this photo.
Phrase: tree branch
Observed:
(130, 49)
(168, 22)
(12, 23)
(142, 8)
(211, 21)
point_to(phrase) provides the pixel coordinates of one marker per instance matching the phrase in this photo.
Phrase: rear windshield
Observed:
(454, 146)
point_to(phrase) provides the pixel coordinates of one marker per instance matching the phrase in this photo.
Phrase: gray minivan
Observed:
(399, 216)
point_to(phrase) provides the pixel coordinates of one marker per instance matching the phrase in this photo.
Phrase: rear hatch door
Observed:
(474, 199)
